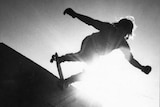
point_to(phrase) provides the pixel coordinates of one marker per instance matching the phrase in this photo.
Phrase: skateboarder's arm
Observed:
(95, 23)
(128, 55)
(88, 20)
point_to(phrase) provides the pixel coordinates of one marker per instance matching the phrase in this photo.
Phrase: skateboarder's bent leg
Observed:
(69, 57)
(85, 54)
(79, 56)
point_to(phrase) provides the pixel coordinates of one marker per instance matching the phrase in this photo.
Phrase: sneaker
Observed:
(61, 59)
(62, 84)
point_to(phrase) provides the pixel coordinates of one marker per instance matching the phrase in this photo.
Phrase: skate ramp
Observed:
(23, 83)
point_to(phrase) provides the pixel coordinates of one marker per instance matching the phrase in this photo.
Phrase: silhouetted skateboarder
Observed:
(110, 36)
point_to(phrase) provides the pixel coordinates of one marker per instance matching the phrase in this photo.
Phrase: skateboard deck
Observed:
(59, 67)
(61, 83)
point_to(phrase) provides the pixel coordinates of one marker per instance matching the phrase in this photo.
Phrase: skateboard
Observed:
(61, 83)
(55, 57)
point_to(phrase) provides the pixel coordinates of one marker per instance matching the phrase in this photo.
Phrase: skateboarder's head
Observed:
(127, 25)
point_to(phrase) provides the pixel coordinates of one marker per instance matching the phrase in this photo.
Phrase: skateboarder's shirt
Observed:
(105, 41)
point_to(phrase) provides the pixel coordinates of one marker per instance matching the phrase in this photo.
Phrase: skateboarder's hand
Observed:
(146, 69)
(70, 12)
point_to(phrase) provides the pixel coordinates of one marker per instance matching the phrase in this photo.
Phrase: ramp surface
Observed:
(23, 83)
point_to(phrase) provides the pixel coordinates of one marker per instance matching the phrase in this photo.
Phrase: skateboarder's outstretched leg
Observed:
(73, 78)
(68, 81)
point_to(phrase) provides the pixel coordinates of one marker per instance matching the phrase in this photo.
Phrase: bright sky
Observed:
(38, 29)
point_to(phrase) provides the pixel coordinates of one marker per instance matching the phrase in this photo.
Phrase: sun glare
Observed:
(106, 82)
(100, 77)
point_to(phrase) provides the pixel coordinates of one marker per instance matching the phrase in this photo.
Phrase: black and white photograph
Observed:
(79, 53)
